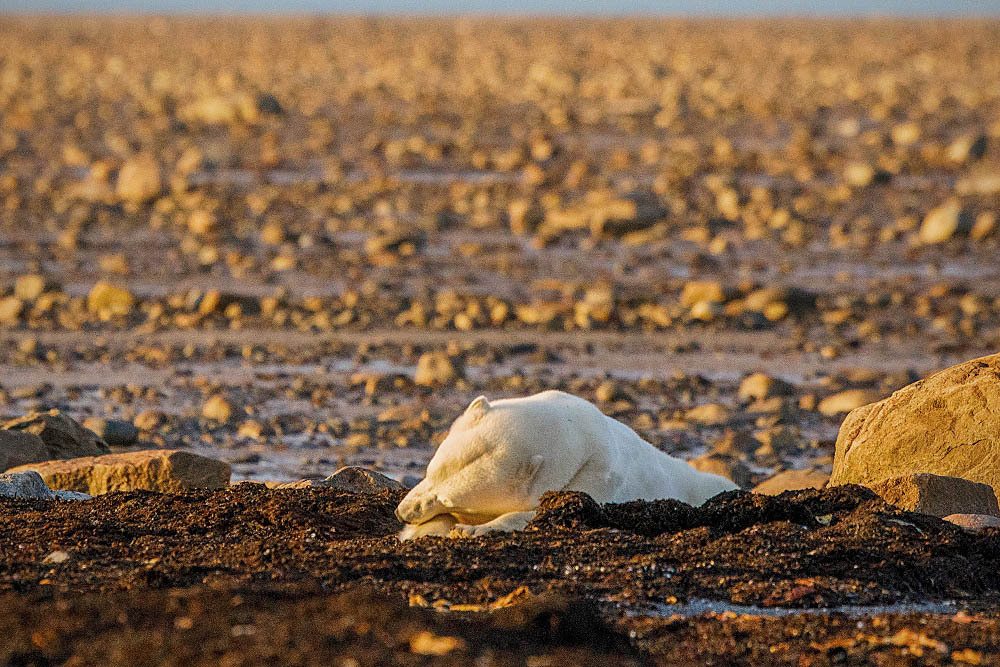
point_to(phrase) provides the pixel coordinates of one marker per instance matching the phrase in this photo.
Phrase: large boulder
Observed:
(937, 495)
(947, 424)
(163, 470)
(42, 436)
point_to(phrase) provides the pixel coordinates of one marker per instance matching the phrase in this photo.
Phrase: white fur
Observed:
(500, 457)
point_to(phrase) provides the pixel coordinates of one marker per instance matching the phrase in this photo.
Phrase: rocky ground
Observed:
(248, 573)
(300, 243)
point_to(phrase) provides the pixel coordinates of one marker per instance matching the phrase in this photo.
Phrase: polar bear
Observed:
(500, 457)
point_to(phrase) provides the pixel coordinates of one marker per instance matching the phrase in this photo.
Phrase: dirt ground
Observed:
(313, 576)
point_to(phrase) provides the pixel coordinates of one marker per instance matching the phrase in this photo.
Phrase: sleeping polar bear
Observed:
(499, 458)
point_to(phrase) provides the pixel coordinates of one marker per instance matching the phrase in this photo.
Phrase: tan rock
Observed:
(62, 437)
(201, 221)
(435, 368)
(973, 522)
(760, 386)
(792, 480)
(359, 480)
(947, 424)
(163, 470)
(29, 286)
(847, 400)
(941, 223)
(217, 408)
(139, 179)
(938, 495)
(858, 174)
(731, 469)
(985, 224)
(10, 310)
(710, 414)
(108, 300)
(697, 291)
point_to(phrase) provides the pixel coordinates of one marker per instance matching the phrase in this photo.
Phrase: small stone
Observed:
(858, 174)
(272, 234)
(985, 223)
(56, 558)
(29, 287)
(358, 440)
(705, 311)
(10, 310)
(847, 400)
(201, 222)
(732, 470)
(436, 369)
(427, 643)
(708, 414)
(359, 480)
(24, 484)
(405, 243)
(941, 223)
(701, 291)
(115, 432)
(792, 480)
(607, 391)
(217, 408)
(268, 103)
(147, 420)
(938, 495)
(108, 301)
(401, 413)
(760, 386)
(973, 522)
(965, 147)
(139, 179)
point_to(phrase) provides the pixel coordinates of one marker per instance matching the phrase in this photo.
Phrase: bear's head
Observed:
(477, 473)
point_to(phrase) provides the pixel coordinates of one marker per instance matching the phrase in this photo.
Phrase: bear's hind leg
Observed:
(505, 523)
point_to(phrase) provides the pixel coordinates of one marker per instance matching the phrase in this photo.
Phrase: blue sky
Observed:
(766, 7)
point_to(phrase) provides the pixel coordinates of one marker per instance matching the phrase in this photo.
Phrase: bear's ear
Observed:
(478, 407)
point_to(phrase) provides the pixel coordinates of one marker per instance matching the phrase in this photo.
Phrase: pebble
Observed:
(760, 386)
(436, 369)
(56, 558)
(847, 400)
(108, 301)
(139, 179)
(217, 408)
(941, 223)
(708, 414)
(29, 287)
